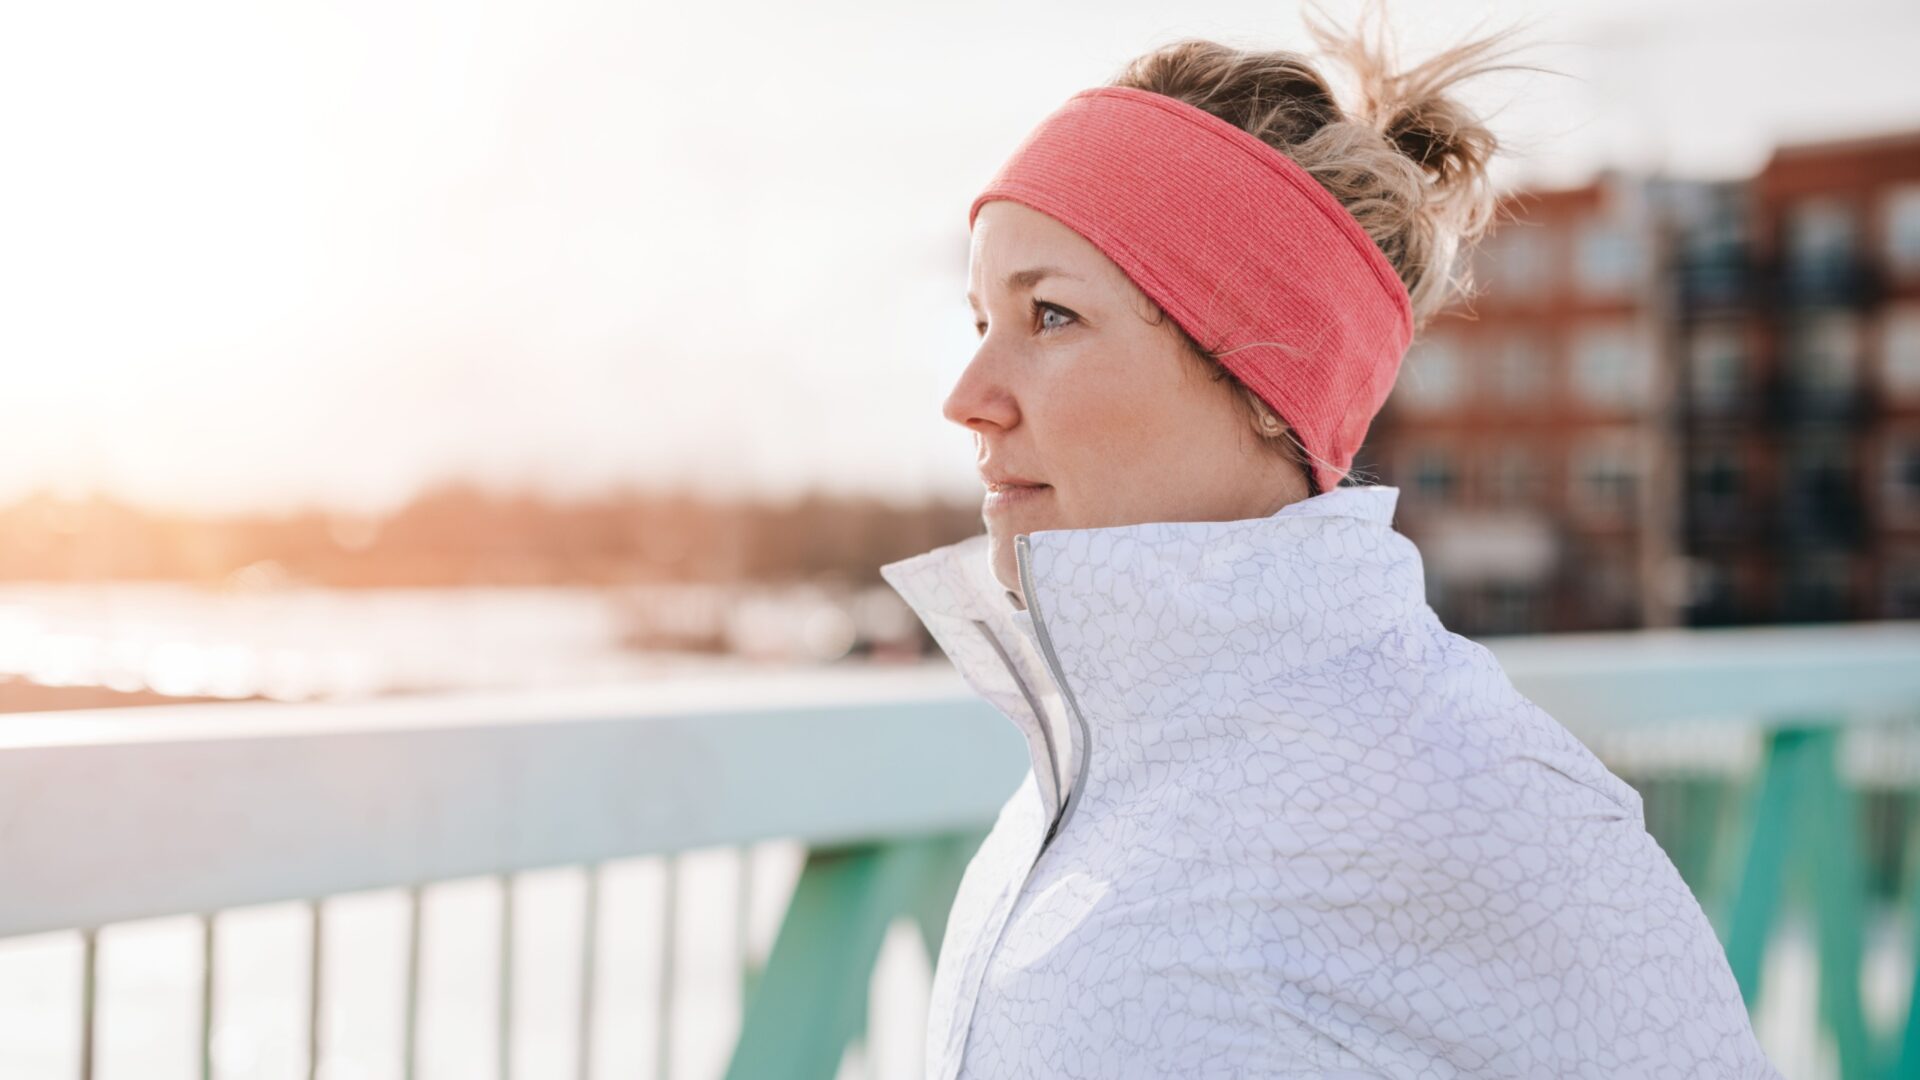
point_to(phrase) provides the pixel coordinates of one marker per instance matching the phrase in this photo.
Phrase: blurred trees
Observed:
(457, 533)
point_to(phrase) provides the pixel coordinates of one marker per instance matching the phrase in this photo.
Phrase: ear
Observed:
(1265, 422)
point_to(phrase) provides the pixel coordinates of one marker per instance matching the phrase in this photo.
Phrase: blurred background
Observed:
(358, 353)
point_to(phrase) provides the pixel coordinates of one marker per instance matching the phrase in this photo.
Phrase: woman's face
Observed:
(1074, 390)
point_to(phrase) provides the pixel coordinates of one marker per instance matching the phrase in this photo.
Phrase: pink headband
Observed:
(1248, 253)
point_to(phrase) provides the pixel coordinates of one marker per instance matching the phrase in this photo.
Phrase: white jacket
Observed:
(1282, 823)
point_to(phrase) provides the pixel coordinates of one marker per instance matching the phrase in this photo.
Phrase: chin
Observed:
(1000, 557)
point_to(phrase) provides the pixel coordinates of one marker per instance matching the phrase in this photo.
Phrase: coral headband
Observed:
(1248, 253)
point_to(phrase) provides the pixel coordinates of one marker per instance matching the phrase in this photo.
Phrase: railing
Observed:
(887, 777)
(1754, 750)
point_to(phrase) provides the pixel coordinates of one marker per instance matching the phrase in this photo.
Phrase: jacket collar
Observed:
(1308, 550)
(1139, 614)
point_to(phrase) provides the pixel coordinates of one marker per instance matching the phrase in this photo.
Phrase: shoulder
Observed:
(1447, 699)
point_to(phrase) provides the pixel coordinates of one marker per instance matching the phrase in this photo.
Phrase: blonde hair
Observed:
(1406, 159)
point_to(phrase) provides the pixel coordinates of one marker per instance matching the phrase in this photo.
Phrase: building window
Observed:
(1710, 593)
(1431, 376)
(1520, 368)
(1606, 476)
(1435, 480)
(1515, 476)
(1900, 587)
(1902, 211)
(1900, 478)
(1717, 364)
(1821, 496)
(1518, 261)
(1607, 590)
(1820, 239)
(1612, 367)
(1715, 478)
(1714, 218)
(1713, 260)
(1607, 258)
(1823, 358)
(1900, 352)
(1510, 608)
(1817, 586)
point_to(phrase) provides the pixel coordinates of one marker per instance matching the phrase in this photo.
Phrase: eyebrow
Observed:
(1027, 279)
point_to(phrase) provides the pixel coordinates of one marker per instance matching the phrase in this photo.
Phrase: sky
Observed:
(260, 256)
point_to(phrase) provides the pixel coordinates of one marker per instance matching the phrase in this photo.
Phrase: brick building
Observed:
(1799, 324)
(1525, 428)
(1676, 402)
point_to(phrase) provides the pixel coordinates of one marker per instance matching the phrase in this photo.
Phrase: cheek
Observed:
(1125, 408)
(1085, 420)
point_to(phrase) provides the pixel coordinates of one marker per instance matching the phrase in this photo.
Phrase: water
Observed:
(303, 643)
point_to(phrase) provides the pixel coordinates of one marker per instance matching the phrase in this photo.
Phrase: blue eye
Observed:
(1041, 309)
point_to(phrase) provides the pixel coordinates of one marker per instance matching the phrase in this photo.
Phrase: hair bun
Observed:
(1414, 110)
(1404, 155)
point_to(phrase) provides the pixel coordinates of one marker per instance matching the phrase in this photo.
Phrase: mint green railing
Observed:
(1801, 820)
(889, 778)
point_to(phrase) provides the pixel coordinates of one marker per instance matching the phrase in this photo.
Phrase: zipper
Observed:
(1040, 718)
(1072, 798)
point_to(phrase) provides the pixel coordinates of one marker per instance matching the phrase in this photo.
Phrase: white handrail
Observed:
(132, 813)
(120, 814)
(1849, 673)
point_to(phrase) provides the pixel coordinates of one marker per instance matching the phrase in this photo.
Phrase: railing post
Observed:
(89, 999)
(1801, 814)
(1829, 847)
(664, 976)
(936, 900)
(811, 999)
(1755, 897)
(1904, 1048)
(316, 990)
(1702, 803)
(503, 1021)
(207, 963)
(743, 925)
(410, 1039)
(589, 951)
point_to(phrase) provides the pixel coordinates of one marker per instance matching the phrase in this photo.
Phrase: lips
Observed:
(1003, 496)
(994, 478)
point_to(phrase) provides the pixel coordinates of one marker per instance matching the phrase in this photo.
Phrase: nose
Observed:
(980, 399)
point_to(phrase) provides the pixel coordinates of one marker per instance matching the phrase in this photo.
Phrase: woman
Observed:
(1280, 822)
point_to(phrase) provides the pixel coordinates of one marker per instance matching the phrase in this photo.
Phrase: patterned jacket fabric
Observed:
(1282, 823)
